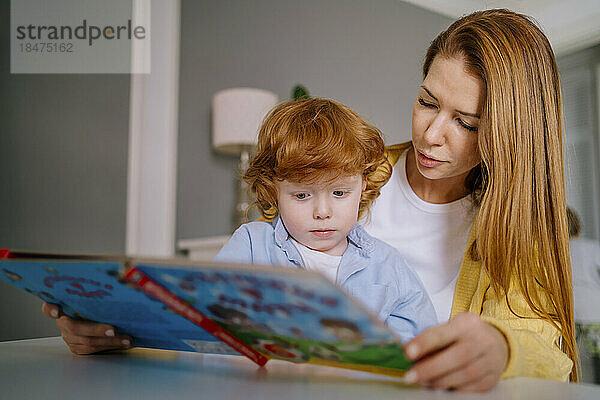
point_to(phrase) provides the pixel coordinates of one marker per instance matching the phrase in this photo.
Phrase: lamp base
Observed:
(243, 212)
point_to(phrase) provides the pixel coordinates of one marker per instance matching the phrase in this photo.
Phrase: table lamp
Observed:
(236, 116)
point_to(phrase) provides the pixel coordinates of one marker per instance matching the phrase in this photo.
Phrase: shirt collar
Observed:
(361, 239)
(282, 239)
(360, 245)
(281, 234)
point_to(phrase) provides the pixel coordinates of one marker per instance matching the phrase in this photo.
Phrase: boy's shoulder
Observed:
(250, 243)
(256, 228)
(259, 225)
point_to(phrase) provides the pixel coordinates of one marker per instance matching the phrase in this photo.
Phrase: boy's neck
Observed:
(340, 251)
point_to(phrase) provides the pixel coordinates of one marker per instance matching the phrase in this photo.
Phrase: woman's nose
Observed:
(435, 134)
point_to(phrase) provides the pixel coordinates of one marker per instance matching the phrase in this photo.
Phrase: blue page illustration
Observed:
(293, 315)
(93, 290)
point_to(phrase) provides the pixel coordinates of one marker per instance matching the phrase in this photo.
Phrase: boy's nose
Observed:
(322, 210)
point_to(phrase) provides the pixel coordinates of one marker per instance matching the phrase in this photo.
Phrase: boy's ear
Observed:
(364, 183)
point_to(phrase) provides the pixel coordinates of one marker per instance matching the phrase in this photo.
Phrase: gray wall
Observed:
(366, 54)
(63, 171)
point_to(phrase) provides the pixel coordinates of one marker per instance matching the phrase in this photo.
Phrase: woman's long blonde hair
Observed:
(522, 232)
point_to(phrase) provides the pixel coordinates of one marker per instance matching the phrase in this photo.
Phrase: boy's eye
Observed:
(338, 193)
(301, 196)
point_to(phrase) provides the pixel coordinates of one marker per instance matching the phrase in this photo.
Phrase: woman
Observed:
(486, 153)
(486, 123)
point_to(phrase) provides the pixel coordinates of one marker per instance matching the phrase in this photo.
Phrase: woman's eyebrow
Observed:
(428, 92)
(468, 114)
(458, 111)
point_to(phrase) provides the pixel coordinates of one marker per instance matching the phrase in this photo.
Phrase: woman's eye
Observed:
(338, 193)
(301, 196)
(426, 104)
(467, 126)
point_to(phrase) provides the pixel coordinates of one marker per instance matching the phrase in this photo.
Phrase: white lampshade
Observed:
(237, 114)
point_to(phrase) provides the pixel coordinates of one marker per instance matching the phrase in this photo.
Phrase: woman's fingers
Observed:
(481, 385)
(457, 356)
(50, 310)
(438, 337)
(464, 376)
(466, 353)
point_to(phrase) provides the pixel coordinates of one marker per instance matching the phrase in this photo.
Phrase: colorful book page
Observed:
(93, 290)
(293, 315)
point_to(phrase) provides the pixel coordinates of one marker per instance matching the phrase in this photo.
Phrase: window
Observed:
(580, 74)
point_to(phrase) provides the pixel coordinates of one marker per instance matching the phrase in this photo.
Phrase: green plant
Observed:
(299, 92)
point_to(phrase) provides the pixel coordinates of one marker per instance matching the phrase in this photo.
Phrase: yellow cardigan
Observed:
(533, 342)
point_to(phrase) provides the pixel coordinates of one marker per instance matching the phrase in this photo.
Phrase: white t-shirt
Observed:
(431, 237)
(319, 261)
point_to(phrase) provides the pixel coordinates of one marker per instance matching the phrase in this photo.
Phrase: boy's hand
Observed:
(84, 337)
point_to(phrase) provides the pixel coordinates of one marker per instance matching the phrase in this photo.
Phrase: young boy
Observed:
(314, 176)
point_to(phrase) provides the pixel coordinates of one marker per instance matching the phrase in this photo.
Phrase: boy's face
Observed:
(320, 215)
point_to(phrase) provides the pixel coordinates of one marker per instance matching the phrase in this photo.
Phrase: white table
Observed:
(45, 369)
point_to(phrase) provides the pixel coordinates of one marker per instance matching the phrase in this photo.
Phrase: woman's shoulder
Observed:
(394, 151)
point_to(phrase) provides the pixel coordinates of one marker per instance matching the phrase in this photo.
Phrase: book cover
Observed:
(177, 305)
(266, 312)
(93, 289)
(293, 315)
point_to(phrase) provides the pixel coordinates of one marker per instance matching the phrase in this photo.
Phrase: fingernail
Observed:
(126, 342)
(110, 332)
(54, 313)
(412, 351)
(411, 377)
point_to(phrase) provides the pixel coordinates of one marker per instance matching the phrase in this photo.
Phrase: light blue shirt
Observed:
(370, 270)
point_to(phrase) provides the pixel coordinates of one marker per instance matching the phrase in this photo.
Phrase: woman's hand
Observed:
(85, 337)
(465, 353)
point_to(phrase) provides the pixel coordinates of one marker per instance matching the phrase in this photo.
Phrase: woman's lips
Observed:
(323, 233)
(428, 161)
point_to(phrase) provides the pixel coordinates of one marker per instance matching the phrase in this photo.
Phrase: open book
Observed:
(260, 312)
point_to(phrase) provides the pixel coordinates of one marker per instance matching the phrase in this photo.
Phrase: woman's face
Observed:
(445, 120)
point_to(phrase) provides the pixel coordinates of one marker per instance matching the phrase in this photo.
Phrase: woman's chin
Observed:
(441, 172)
(433, 173)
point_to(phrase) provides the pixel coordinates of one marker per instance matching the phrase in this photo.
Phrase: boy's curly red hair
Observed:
(314, 139)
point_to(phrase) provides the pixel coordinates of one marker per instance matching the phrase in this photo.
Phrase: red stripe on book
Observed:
(4, 253)
(182, 308)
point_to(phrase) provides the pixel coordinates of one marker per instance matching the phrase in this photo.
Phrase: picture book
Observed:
(260, 312)
(93, 288)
